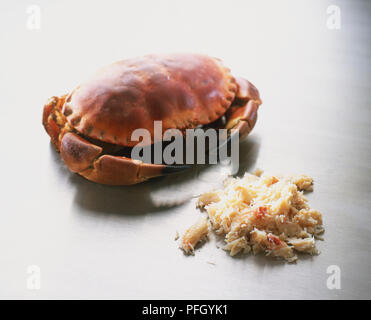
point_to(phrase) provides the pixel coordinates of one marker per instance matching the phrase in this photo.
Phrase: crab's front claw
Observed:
(77, 153)
(115, 170)
(85, 159)
(243, 118)
(243, 114)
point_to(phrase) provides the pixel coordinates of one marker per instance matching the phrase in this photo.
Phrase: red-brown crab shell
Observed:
(90, 125)
(181, 90)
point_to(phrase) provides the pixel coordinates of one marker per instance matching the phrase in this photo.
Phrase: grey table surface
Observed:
(95, 241)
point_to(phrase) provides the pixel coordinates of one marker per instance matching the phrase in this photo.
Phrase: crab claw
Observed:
(243, 115)
(87, 160)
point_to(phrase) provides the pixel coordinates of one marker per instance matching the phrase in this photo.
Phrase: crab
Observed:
(91, 126)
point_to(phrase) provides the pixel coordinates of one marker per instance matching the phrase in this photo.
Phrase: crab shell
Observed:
(181, 90)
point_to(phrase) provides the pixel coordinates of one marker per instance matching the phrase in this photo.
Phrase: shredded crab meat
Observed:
(196, 233)
(261, 212)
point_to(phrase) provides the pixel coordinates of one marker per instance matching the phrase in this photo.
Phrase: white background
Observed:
(94, 241)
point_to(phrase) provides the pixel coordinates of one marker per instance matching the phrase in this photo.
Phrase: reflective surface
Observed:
(95, 241)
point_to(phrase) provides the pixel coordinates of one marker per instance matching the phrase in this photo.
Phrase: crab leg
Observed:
(53, 120)
(243, 113)
(87, 160)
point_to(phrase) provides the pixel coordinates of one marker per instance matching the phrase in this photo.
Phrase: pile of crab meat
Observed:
(260, 213)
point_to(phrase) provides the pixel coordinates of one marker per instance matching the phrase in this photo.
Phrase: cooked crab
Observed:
(95, 121)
